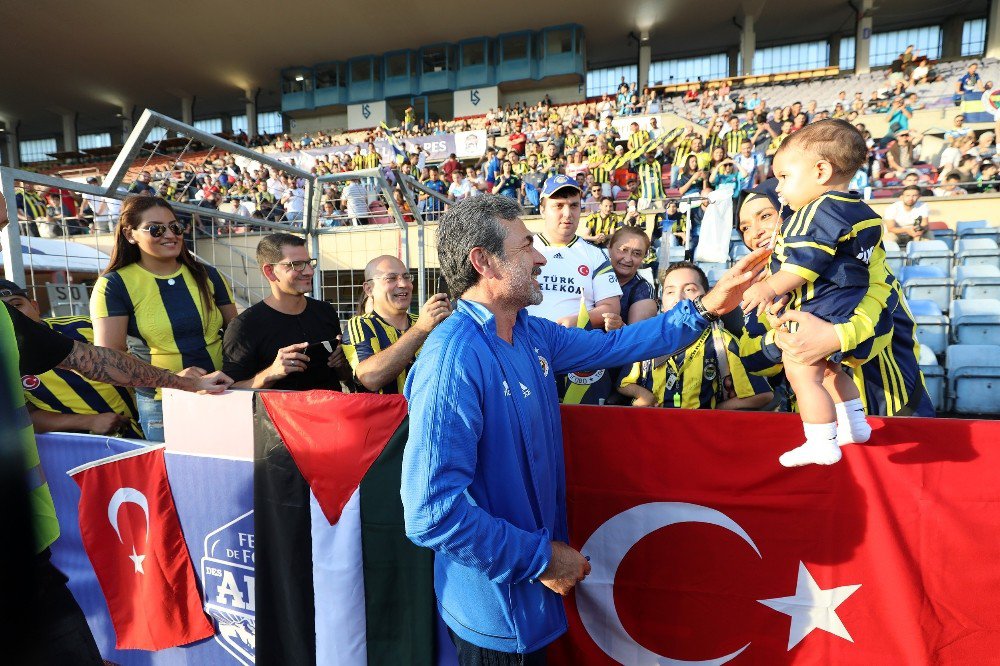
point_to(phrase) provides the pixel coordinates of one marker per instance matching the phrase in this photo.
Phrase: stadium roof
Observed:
(93, 57)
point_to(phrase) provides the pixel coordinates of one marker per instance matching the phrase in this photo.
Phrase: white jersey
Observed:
(573, 270)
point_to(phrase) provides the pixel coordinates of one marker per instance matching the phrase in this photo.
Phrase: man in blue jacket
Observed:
(483, 479)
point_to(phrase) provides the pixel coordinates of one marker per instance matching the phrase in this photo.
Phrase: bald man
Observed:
(381, 345)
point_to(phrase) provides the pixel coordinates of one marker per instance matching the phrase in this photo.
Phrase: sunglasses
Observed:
(157, 230)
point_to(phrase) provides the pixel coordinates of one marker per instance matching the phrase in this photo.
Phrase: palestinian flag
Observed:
(337, 581)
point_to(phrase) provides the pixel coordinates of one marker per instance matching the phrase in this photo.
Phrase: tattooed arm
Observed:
(114, 367)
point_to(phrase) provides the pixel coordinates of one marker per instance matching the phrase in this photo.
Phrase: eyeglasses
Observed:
(157, 230)
(297, 266)
(391, 278)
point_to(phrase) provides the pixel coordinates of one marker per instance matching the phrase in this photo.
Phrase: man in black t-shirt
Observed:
(287, 341)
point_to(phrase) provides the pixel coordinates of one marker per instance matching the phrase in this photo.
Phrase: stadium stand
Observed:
(973, 378)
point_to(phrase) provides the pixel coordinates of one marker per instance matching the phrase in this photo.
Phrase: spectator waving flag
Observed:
(399, 155)
(133, 538)
(338, 582)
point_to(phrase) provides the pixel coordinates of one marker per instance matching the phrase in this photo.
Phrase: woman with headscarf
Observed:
(882, 329)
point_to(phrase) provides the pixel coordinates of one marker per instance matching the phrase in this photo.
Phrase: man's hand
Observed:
(566, 568)
(193, 372)
(435, 310)
(600, 238)
(569, 321)
(813, 339)
(337, 359)
(612, 321)
(213, 383)
(729, 290)
(107, 423)
(288, 360)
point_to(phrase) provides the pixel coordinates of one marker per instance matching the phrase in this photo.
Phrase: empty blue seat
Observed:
(983, 232)
(974, 378)
(977, 251)
(929, 253)
(932, 325)
(933, 377)
(714, 275)
(975, 321)
(893, 256)
(927, 283)
(965, 226)
(709, 266)
(738, 252)
(977, 281)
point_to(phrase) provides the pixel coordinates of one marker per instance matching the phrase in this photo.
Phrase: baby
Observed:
(822, 260)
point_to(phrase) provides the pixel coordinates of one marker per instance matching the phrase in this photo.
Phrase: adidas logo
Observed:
(557, 255)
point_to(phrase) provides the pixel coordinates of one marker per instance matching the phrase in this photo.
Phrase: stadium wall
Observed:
(313, 124)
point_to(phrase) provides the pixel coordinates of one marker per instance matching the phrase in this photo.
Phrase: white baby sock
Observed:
(852, 428)
(820, 448)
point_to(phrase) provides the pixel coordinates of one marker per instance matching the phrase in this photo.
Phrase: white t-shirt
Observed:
(296, 201)
(898, 213)
(573, 270)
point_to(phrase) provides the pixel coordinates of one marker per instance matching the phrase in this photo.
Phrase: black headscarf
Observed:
(766, 189)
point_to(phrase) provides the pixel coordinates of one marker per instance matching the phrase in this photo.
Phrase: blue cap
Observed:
(555, 183)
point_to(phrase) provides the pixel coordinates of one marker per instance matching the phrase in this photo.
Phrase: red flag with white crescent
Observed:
(133, 538)
(705, 550)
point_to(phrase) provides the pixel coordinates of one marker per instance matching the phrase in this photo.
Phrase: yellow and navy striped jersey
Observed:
(572, 140)
(598, 224)
(66, 392)
(168, 325)
(371, 160)
(713, 141)
(651, 180)
(357, 161)
(637, 139)
(30, 204)
(520, 168)
(830, 243)
(776, 142)
(367, 335)
(691, 379)
(733, 140)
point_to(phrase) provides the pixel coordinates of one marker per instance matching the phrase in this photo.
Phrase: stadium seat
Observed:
(933, 377)
(975, 321)
(977, 251)
(973, 378)
(709, 266)
(928, 283)
(992, 233)
(944, 233)
(714, 274)
(929, 253)
(963, 227)
(893, 256)
(932, 325)
(977, 282)
(738, 251)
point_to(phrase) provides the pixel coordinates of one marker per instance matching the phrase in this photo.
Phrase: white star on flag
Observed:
(812, 608)
(137, 560)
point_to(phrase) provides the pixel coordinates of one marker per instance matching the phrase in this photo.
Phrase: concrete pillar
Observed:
(834, 45)
(251, 109)
(127, 123)
(69, 132)
(863, 37)
(11, 146)
(993, 30)
(645, 59)
(748, 45)
(733, 58)
(187, 110)
(951, 38)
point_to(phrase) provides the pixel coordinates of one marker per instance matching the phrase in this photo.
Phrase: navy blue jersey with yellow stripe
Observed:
(830, 243)
(691, 379)
(367, 335)
(66, 392)
(168, 324)
(651, 180)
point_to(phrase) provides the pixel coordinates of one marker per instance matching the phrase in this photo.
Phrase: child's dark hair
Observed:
(834, 140)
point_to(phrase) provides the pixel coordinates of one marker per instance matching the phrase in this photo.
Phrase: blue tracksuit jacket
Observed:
(483, 478)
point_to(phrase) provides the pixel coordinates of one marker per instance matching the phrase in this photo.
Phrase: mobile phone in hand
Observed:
(319, 352)
(442, 286)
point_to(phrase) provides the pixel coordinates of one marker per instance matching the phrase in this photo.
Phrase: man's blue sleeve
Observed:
(574, 349)
(439, 463)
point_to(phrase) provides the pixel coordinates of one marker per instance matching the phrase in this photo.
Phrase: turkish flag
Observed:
(705, 549)
(133, 538)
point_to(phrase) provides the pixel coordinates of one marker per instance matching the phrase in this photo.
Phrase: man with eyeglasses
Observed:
(287, 341)
(382, 345)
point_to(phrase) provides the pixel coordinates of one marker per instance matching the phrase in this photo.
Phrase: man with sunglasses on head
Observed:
(382, 345)
(287, 341)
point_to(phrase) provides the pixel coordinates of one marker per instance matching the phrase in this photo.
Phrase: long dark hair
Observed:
(126, 253)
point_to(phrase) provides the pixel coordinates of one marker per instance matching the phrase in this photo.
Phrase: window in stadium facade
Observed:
(848, 49)
(296, 80)
(365, 69)
(515, 47)
(666, 72)
(559, 41)
(210, 125)
(330, 75)
(270, 122)
(606, 81)
(474, 53)
(973, 37)
(791, 57)
(438, 58)
(36, 150)
(88, 141)
(886, 46)
(156, 134)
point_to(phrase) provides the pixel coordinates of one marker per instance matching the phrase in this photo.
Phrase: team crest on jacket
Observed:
(544, 364)
(227, 581)
(30, 382)
(583, 270)
(585, 378)
(710, 371)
